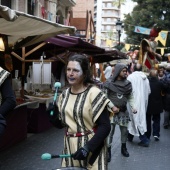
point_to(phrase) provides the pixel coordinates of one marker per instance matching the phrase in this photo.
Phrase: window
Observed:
(6, 3)
(30, 7)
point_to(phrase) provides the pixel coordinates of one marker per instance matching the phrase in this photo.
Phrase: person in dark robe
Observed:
(155, 105)
(7, 98)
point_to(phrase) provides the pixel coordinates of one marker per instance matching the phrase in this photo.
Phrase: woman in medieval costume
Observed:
(84, 111)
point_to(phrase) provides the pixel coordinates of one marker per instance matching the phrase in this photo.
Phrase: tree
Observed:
(118, 3)
(145, 14)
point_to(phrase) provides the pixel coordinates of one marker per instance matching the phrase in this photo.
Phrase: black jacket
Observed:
(155, 102)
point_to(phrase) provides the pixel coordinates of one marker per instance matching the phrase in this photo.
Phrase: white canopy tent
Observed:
(19, 29)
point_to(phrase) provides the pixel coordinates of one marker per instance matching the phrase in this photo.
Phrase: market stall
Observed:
(17, 27)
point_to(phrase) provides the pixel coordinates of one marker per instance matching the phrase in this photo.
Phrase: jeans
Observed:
(166, 118)
(153, 127)
(143, 138)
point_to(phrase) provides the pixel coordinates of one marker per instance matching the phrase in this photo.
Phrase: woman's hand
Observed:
(81, 154)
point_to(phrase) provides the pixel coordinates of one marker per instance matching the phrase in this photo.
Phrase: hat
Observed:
(154, 31)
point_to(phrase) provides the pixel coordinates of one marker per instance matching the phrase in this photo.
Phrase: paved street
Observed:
(27, 154)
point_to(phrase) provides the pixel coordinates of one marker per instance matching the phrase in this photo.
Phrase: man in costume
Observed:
(148, 57)
(141, 91)
(119, 91)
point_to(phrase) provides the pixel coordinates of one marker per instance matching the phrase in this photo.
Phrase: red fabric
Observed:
(43, 11)
(153, 33)
(79, 134)
(149, 61)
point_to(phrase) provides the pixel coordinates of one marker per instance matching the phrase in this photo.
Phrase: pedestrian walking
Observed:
(141, 91)
(119, 91)
(108, 71)
(166, 101)
(155, 105)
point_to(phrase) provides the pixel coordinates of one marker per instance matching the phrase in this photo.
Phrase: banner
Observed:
(142, 30)
(162, 37)
(127, 47)
(109, 42)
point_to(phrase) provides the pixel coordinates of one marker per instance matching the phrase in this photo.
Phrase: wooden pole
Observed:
(23, 73)
(103, 79)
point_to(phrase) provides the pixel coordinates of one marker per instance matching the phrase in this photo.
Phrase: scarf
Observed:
(118, 86)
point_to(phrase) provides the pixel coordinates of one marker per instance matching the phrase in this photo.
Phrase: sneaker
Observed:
(143, 144)
(156, 138)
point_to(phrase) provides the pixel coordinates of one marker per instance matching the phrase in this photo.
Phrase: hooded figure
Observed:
(141, 91)
(118, 90)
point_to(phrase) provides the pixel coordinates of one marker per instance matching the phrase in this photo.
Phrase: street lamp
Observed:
(119, 28)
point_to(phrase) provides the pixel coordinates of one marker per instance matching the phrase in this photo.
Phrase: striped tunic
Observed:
(79, 113)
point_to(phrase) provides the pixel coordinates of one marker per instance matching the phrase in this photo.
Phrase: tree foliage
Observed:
(145, 14)
(118, 3)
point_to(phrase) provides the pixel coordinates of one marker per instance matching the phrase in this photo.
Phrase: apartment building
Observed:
(106, 15)
(52, 10)
(79, 10)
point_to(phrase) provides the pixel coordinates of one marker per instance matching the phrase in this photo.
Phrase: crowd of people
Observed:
(90, 114)
(132, 100)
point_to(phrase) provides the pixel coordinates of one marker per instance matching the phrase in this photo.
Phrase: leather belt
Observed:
(79, 134)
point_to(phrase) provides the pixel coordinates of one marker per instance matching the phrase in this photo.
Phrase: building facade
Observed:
(106, 15)
(79, 10)
(52, 10)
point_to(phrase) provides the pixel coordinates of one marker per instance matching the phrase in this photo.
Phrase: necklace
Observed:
(119, 96)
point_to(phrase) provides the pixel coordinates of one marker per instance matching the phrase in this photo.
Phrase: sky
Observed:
(125, 9)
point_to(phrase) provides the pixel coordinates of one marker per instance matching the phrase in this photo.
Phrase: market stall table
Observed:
(16, 129)
(38, 120)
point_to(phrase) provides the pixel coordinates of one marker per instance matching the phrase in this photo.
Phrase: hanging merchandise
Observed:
(43, 11)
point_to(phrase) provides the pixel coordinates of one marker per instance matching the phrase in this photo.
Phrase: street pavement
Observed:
(26, 155)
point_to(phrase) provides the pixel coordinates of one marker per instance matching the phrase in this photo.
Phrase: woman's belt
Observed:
(79, 134)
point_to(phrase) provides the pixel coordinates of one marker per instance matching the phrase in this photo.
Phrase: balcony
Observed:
(111, 15)
(68, 2)
(110, 8)
(108, 23)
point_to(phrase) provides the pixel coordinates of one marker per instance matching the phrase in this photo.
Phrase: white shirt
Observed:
(108, 72)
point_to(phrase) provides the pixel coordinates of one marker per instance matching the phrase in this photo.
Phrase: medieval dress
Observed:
(79, 113)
